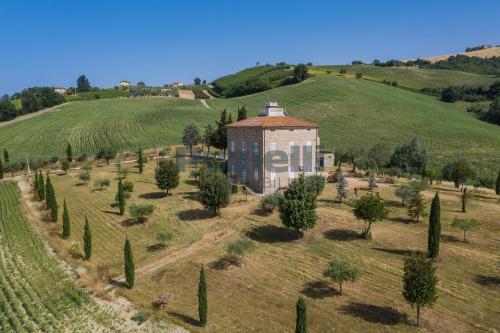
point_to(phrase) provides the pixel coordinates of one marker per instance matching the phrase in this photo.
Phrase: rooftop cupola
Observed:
(272, 109)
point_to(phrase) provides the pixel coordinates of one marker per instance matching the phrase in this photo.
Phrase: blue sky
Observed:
(52, 42)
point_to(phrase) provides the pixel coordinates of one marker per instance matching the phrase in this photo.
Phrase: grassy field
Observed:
(261, 296)
(351, 113)
(361, 113)
(35, 294)
(411, 77)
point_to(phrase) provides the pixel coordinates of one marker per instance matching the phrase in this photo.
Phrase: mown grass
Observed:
(35, 294)
(261, 296)
(411, 77)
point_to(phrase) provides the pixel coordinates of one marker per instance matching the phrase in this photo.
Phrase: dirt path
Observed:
(205, 104)
(115, 306)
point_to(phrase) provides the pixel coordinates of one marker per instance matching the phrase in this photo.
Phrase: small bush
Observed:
(317, 183)
(84, 177)
(269, 203)
(140, 317)
(74, 249)
(128, 186)
(141, 211)
(101, 183)
(161, 301)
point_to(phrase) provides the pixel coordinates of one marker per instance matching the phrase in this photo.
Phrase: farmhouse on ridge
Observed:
(124, 84)
(60, 90)
(268, 151)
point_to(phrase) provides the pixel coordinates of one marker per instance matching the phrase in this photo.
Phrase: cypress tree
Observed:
(66, 231)
(301, 318)
(434, 234)
(497, 188)
(129, 264)
(141, 161)
(1, 169)
(69, 153)
(87, 240)
(121, 197)
(35, 183)
(464, 200)
(41, 187)
(49, 193)
(202, 298)
(53, 205)
(6, 156)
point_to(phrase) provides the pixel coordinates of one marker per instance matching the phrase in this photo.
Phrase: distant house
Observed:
(124, 84)
(60, 90)
(177, 84)
(267, 152)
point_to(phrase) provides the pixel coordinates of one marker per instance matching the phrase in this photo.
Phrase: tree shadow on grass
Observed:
(384, 315)
(194, 214)
(318, 289)
(394, 203)
(395, 251)
(130, 222)
(117, 283)
(486, 280)
(153, 195)
(191, 196)
(450, 239)
(156, 247)
(192, 182)
(111, 212)
(341, 235)
(223, 263)
(272, 234)
(187, 319)
(401, 219)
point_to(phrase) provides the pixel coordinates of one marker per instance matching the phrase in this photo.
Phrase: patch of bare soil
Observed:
(186, 94)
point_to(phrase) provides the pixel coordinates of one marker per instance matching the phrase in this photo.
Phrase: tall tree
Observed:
(49, 192)
(301, 316)
(370, 208)
(121, 197)
(66, 227)
(419, 282)
(7, 110)
(416, 206)
(464, 200)
(106, 153)
(380, 155)
(411, 157)
(220, 135)
(197, 81)
(1, 169)
(87, 240)
(53, 205)
(202, 298)
(215, 190)
(82, 84)
(298, 207)
(6, 156)
(434, 234)
(242, 113)
(191, 137)
(141, 161)
(129, 264)
(69, 153)
(208, 137)
(300, 73)
(41, 187)
(167, 175)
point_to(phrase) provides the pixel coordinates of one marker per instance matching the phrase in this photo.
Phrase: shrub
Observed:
(161, 301)
(167, 175)
(128, 185)
(101, 183)
(140, 212)
(140, 317)
(269, 203)
(215, 191)
(370, 208)
(84, 177)
(403, 192)
(359, 75)
(465, 225)
(317, 183)
(239, 248)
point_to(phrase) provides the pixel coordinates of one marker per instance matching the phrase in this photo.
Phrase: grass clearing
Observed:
(261, 296)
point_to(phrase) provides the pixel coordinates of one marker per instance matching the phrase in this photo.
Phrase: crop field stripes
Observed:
(35, 294)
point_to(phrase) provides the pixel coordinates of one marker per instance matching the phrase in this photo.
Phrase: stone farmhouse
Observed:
(60, 90)
(268, 151)
(124, 84)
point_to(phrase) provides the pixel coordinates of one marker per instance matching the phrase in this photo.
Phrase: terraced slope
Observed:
(35, 294)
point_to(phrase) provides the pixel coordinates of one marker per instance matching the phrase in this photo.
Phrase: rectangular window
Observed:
(233, 169)
(309, 146)
(256, 148)
(244, 175)
(232, 146)
(243, 147)
(273, 147)
(273, 173)
(256, 174)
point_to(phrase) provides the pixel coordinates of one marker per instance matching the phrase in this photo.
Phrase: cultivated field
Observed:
(343, 106)
(411, 77)
(35, 294)
(485, 53)
(261, 296)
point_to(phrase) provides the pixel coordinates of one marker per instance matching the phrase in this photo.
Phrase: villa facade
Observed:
(268, 151)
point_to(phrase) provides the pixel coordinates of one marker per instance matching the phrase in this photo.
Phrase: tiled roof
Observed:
(270, 122)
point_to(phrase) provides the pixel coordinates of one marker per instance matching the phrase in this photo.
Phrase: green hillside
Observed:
(361, 113)
(411, 77)
(351, 113)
